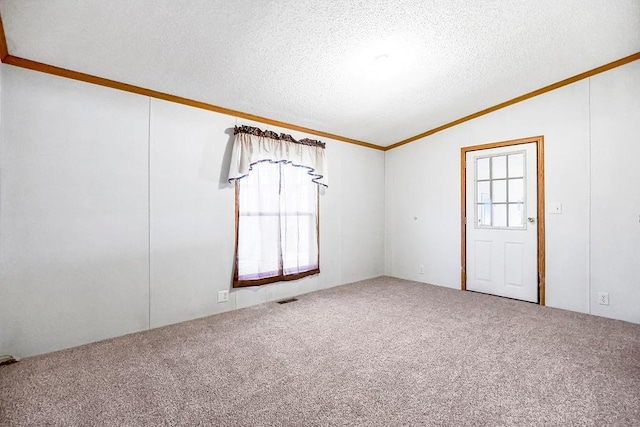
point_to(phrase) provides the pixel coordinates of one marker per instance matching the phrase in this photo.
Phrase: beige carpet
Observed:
(382, 352)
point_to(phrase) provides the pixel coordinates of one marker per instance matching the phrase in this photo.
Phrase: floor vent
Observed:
(288, 300)
(7, 360)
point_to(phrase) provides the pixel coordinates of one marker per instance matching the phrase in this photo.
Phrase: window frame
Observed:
(237, 283)
(507, 202)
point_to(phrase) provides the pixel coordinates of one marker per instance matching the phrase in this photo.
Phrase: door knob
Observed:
(531, 219)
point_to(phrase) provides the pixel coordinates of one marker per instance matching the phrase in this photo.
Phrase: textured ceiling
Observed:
(376, 71)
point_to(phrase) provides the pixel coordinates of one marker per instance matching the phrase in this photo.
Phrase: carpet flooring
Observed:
(381, 352)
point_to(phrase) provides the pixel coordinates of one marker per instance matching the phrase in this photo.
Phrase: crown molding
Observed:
(521, 98)
(88, 78)
(7, 58)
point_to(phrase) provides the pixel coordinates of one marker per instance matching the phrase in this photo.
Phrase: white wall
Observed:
(74, 231)
(615, 192)
(116, 216)
(591, 155)
(192, 217)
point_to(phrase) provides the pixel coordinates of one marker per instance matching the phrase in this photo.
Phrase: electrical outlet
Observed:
(603, 298)
(223, 296)
(421, 269)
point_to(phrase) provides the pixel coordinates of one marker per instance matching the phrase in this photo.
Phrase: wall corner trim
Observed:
(4, 51)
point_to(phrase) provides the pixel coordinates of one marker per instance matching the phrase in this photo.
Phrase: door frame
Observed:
(539, 141)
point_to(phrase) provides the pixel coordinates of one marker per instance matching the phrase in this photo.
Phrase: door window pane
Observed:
(484, 214)
(499, 213)
(484, 196)
(482, 168)
(516, 190)
(516, 165)
(516, 215)
(498, 167)
(499, 191)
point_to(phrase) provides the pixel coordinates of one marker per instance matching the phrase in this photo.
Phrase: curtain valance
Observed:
(252, 145)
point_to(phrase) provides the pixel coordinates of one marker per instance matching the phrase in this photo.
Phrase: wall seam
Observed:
(149, 209)
(589, 298)
(385, 257)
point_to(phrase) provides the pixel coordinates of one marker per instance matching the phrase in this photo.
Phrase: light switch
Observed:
(555, 208)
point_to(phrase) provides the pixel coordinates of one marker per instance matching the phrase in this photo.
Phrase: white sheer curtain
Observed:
(276, 206)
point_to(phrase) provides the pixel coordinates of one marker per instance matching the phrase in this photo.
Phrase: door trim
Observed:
(539, 141)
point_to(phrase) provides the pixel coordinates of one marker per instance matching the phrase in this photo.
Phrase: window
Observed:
(277, 180)
(500, 191)
(277, 224)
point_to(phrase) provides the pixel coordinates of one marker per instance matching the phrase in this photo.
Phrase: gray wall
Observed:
(115, 216)
(592, 145)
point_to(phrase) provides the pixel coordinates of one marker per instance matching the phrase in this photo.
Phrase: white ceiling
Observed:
(312, 62)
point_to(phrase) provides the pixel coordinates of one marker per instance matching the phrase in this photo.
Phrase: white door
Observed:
(501, 230)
